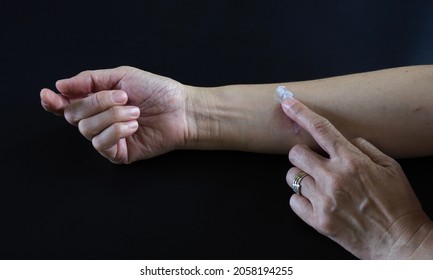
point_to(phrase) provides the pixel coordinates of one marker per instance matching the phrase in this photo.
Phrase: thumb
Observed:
(91, 81)
(371, 151)
(52, 102)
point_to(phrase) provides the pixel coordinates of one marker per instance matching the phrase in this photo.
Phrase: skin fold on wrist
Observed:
(240, 117)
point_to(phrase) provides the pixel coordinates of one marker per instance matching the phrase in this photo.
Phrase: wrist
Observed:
(415, 239)
(203, 119)
(238, 117)
(422, 241)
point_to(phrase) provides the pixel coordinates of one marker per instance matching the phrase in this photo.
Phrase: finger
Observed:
(302, 207)
(52, 102)
(304, 158)
(111, 136)
(308, 184)
(91, 81)
(117, 153)
(94, 125)
(371, 151)
(93, 104)
(325, 134)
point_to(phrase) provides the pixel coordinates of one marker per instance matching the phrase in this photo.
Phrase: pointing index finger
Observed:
(325, 134)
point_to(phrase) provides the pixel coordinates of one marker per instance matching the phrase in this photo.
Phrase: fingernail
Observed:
(43, 97)
(59, 84)
(62, 80)
(134, 112)
(133, 125)
(119, 96)
(283, 93)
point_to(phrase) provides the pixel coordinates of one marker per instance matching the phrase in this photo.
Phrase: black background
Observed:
(60, 200)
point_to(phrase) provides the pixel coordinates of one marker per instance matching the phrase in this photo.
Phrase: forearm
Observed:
(240, 117)
(392, 108)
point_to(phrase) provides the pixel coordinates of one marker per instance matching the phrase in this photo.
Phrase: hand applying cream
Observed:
(282, 93)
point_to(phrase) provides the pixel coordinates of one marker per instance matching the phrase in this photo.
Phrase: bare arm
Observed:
(356, 195)
(391, 108)
(130, 114)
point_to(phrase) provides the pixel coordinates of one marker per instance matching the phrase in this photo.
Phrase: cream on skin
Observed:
(282, 94)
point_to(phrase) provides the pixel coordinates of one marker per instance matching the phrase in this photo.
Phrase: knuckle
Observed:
(395, 164)
(298, 109)
(96, 100)
(337, 181)
(325, 225)
(84, 129)
(294, 152)
(326, 217)
(116, 113)
(124, 68)
(320, 124)
(353, 165)
(358, 141)
(85, 72)
(117, 130)
(88, 76)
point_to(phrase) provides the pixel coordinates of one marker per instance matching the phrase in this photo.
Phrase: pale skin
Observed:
(130, 115)
(356, 195)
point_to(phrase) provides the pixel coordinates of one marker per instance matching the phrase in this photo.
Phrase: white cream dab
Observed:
(283, 93)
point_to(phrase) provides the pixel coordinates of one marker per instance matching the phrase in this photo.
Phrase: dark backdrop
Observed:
(60, 200)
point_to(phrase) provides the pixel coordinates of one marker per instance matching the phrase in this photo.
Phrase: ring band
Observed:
(296, 185)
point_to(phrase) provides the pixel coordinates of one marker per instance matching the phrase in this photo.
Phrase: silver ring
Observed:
(296, 185)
